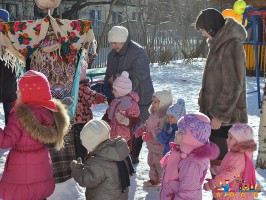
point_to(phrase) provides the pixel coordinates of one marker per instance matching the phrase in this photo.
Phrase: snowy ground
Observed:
(184, 80)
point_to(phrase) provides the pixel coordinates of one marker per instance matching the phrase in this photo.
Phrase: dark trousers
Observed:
(80, 150)
(7, 108)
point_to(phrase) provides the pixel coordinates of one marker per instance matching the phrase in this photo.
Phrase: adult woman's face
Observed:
(117, 46)
(205, 34)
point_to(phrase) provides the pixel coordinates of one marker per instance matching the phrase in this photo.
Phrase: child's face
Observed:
(231, 141)
(155, 104)
(178, 137)
(116, 94)
(171, 119)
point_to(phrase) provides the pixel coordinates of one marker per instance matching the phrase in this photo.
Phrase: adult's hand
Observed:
(216, 123)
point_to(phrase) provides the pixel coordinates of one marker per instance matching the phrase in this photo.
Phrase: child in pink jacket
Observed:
(35, 121)
(237, 171)
(161, 101)
(186, 164)
(123, 109)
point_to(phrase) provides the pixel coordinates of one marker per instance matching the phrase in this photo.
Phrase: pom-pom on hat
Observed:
(241, 132)
(178, 109)
(165, 97)
(35, 89)
(123, 84)
(118, 34)
(4, 15)
(94, 133)
(196, 130)
(210, 20)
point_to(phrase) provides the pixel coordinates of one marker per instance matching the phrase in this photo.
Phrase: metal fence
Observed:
(161, 44)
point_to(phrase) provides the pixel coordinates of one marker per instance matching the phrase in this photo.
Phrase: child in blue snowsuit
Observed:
(174, 113)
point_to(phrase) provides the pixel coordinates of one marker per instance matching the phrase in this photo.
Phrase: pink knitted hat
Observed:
(123, 84)
(241, 132)
(196, 130)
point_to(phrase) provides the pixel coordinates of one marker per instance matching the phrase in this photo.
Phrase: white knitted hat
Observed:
(241, 132)
(94, 133)
(123, 84)
(178, 109)
(118, 34)
(165, 97)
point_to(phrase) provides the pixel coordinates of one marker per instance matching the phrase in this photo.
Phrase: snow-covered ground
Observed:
(184, 80)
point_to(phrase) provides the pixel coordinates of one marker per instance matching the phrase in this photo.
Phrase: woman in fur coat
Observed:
(161, 101)
(36, 120)
(237, 171)
(223, 92)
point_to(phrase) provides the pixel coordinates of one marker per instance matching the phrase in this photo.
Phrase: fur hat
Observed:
(118, 34)
(165, 97)
(210, 20)
(35, 89)
(4, 15)
(94, 133)
(196, 130)
(178, 109)
(241, 132)
(123, 84)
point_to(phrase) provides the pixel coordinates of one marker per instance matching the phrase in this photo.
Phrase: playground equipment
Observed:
(256, 49)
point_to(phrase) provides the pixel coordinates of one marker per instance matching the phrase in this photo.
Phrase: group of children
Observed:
(179, 151)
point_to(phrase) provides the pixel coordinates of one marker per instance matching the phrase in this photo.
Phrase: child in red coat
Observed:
(86, 98)
(35, 121)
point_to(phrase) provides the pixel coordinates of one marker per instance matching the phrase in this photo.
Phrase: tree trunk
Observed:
(261, 159)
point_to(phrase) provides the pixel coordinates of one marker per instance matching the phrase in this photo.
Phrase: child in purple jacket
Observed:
(185, 166)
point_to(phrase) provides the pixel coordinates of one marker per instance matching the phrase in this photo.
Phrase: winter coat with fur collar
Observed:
(28, 173)
(184, 178)
(232, 166)
(223, 92)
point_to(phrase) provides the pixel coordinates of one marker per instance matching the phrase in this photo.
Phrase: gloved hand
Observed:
(139, 132)
(209, 185)
(100, 98)
(67, 101)
(76, 163)
(146, 136)
(121, 119)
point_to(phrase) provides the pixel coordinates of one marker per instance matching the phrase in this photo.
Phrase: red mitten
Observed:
(209, 185)
(139, 132)
(146, 137)
(100, 98)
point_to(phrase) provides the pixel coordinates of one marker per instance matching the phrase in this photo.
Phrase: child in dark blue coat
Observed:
(174, 113)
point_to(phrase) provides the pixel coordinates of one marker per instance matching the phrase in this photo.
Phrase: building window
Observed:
(117, 17)
(95, 15)
(12, 9)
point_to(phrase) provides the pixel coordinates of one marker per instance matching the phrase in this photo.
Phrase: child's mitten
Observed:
(139, 132)
(100, 98)
(121, 119)
(146, 137)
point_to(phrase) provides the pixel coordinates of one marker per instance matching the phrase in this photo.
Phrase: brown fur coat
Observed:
(223, 92)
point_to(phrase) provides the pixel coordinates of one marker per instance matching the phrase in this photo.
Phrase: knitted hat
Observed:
(210, 20)
(123, 84)
(94, 133)
(4, 15)
(165, 97)
(35, 89)
(178, 109)
(118, 34)
(241, 132)
(196, 130)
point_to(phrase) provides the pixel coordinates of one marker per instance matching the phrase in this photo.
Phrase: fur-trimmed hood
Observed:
(46, 134)
(243, 147)
(209, 150)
